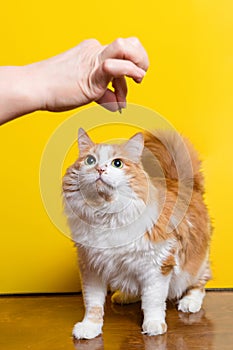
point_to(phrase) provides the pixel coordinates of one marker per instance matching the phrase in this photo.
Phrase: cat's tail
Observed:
(175, 156)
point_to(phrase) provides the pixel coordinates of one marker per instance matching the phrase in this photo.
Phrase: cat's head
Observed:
(107, 170)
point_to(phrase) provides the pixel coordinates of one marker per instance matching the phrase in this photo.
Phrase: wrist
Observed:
(20, 91)
(33, 89)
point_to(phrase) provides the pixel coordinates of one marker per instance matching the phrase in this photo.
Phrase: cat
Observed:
(138, 219)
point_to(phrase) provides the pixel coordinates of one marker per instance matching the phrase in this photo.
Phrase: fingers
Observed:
(109, 101)
(120, 91)
(115, 100)
(127, 49)
(116, 68)
(122, 58)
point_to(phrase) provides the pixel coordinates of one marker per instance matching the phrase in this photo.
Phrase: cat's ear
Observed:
(134, 147)
(84, 141)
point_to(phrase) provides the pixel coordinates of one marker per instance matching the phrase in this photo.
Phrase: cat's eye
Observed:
(117, 163)
(90, 160)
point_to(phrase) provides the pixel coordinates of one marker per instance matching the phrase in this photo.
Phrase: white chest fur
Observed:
(127, 267)
(114, 224)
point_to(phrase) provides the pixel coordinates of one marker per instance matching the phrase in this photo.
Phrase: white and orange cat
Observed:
(141, 229)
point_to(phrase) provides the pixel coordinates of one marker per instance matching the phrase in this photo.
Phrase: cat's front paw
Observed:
(86, 330)
(154, 327)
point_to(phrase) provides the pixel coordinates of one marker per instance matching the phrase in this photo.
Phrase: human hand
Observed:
(73, 78)
(82, 74)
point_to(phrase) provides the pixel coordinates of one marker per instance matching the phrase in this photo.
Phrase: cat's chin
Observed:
(104, 190)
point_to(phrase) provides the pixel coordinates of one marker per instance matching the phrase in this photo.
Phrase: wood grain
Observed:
(46, 323)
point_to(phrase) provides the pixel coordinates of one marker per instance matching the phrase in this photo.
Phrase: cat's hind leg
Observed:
(122, 298)
(192, 301)
(193, 298)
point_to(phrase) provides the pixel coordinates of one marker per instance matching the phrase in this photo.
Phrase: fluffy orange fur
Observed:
(194, 232)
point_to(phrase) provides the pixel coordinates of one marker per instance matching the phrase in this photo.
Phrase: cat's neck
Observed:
(115, 223)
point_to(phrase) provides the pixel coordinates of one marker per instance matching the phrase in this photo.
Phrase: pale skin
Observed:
(74, 78)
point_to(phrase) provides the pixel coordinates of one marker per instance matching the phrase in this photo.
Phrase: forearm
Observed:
(20, 91)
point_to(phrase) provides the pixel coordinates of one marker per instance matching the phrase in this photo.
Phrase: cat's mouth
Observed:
(104, 189)
(99, 178)
(100, 181)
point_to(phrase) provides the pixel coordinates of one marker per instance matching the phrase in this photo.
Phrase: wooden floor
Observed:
(45, 323)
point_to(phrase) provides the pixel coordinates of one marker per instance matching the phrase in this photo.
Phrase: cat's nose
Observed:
(100, 170)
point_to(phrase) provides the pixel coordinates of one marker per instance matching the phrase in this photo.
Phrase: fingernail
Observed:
(121, 105)
(142, 75)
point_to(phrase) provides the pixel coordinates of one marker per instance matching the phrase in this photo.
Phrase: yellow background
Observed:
(189, 82)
